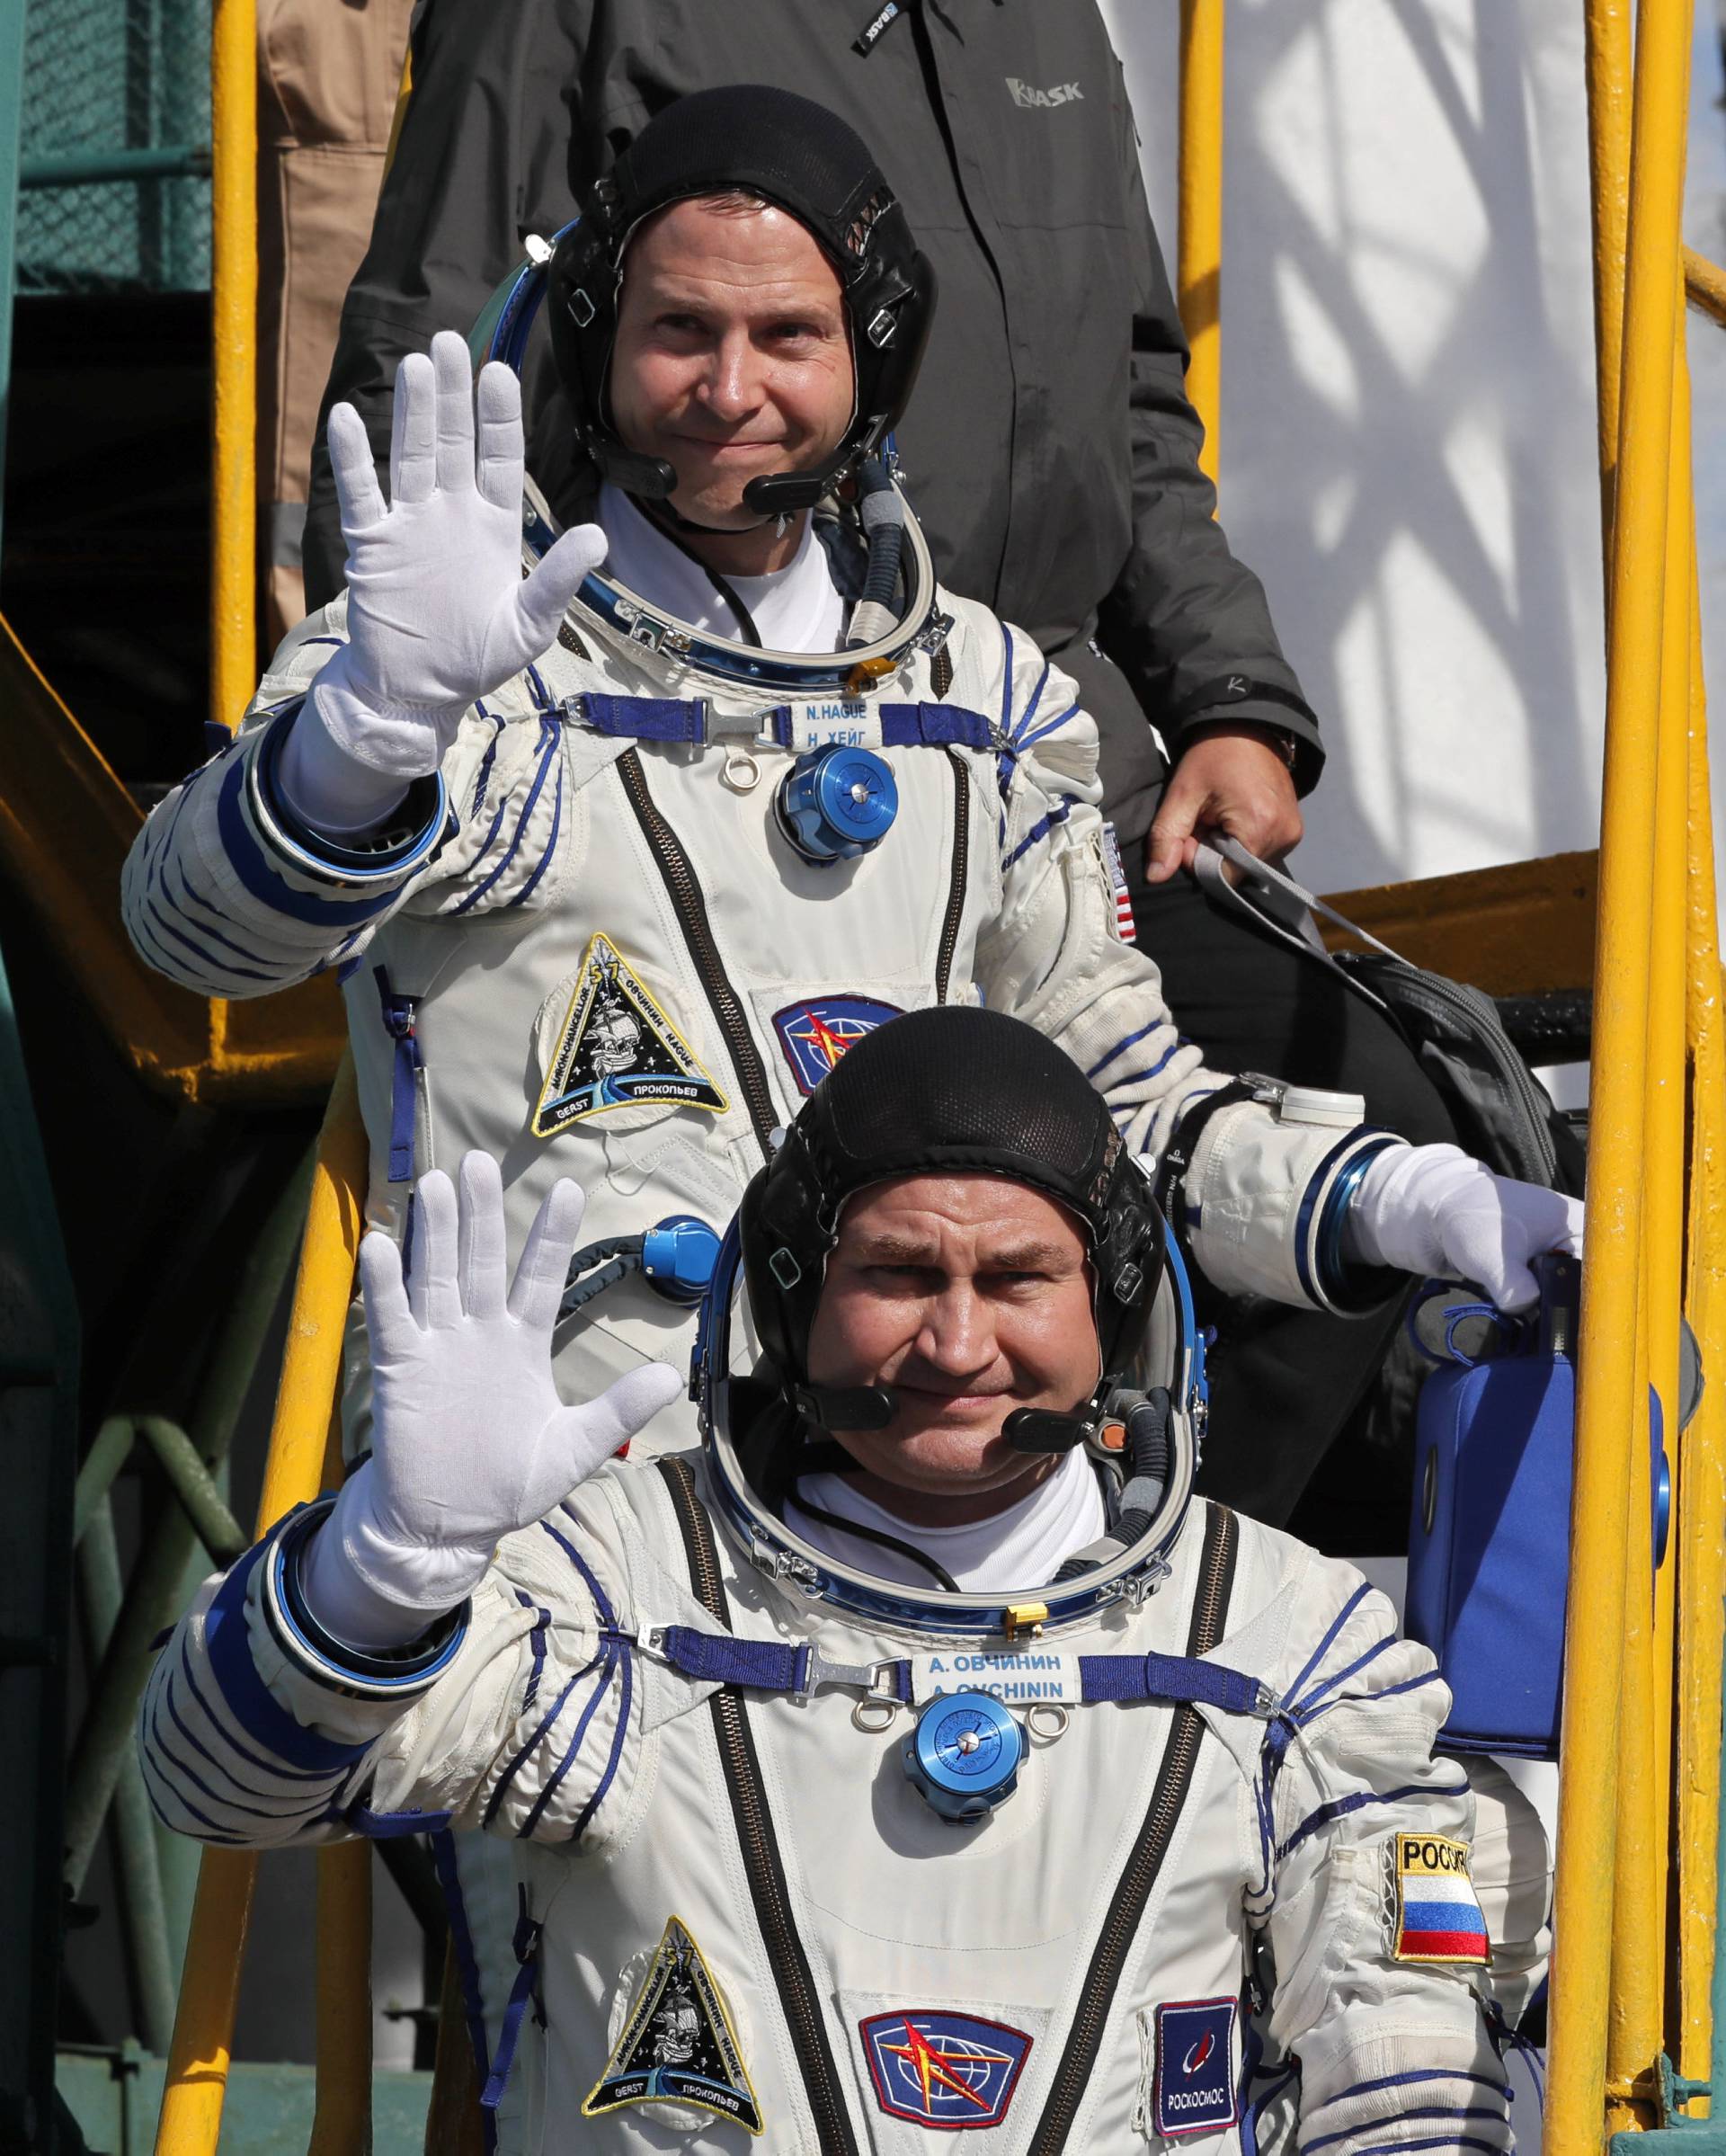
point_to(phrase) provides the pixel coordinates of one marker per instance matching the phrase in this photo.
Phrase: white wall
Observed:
(1408, 447)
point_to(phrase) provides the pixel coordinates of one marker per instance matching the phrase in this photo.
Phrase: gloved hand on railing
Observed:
(1433, 1209)
(439, 612)
(470, 1440)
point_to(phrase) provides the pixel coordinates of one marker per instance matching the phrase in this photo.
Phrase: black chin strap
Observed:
(673, 521)
(664, 518)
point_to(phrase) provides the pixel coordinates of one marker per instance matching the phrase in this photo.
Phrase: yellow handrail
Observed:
(1607, 1376)
(1199, 260)
(203, 2028)
(1605, 28)
(1635, 2025)
(66, 823)
(1705, 284)
(234, 328)
(1700, 1552)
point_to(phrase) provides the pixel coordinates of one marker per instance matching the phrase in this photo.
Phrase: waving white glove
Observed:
(439, 612)
(470, 1440)
(1432, 1209)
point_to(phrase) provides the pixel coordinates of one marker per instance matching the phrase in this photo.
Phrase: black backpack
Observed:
(1504, 1115)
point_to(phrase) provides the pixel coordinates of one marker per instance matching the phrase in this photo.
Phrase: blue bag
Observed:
(1489, 1538)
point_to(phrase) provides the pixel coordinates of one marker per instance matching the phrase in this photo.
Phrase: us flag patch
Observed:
(1436, 1917)
(1124, 924)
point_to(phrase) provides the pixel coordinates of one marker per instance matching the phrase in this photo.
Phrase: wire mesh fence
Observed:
(105, 76)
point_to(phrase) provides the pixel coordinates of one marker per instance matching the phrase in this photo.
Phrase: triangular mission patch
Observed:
(677, 2046)
(618, 1049)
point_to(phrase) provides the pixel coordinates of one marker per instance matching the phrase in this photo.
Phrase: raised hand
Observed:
(439, 612)
(470, 1439)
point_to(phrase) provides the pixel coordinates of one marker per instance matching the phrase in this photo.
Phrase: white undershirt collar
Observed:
(797, 607)
(1022, 1548)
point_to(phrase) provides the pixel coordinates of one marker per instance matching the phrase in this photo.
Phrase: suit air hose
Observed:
(883, 515)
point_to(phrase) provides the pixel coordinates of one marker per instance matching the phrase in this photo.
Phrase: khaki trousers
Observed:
(328, 76)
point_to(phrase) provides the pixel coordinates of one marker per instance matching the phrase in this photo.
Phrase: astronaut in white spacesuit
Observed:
(915, 1755)
(615, 863)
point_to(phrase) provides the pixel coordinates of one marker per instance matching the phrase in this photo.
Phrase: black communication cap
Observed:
(805, 160)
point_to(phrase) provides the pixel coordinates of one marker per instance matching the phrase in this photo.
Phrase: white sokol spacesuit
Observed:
(593, 952)
(810, 1853)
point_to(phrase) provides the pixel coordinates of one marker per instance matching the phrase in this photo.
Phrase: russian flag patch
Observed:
(1438, 1918)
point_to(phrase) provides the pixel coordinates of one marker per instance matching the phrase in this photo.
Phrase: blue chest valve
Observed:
(678, 1257)
(964, 1755)
(675, 1257)
(836, 803)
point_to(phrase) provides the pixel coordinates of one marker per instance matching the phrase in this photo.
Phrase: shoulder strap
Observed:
(1125, 1915)
(781, 1937)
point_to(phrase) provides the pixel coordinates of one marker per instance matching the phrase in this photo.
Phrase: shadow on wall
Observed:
(1408, 447)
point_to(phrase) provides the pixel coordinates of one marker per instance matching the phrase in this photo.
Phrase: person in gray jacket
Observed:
(1053, 458)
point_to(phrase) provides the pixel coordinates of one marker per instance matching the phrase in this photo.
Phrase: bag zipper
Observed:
(692, 909)
(761, 1864)
(961, 868)
(1121, 1926)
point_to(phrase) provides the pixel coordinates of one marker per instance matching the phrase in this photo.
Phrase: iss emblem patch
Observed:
(1194, 2084)
(617, 1048)
(816, 1034)
(943, 2069)
(678, 2044)
(1438, 1917)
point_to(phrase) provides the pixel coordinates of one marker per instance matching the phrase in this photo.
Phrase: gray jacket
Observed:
(1050, 448)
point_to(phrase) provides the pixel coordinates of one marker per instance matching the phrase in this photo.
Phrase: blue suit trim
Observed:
(1040, 830)
(1462, 2111)
(1326, 1815)
(247, 1698)
(1121, 1046)
(1409, 2080)
(247, 858)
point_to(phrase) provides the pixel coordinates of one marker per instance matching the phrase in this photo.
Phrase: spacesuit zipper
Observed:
(1121, 1926)
(767, 1889)
(960, 866)
(726, 1005)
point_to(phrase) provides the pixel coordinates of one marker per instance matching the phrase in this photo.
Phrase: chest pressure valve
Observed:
(836, 803)
(964, 1756)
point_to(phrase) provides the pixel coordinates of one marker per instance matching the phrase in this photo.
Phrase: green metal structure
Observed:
(40, 1341)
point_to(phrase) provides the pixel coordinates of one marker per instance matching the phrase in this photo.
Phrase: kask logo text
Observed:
(1061, 94)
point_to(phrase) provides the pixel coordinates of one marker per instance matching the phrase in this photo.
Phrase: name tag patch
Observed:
(1194, 2090)
(847, 721)
(1437, 1916)
(1021, 1680)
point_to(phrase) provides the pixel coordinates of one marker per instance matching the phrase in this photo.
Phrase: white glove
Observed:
(439, 612)
(1432, 1209)
(470, 1440)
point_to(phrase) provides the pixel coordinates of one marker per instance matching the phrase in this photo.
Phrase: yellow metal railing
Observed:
(234, 320)
(1198, 273)
(1639, 1778)
(303, 1457)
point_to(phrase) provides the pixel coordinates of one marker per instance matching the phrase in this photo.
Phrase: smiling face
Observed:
(732, 356)
(967, 1297)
